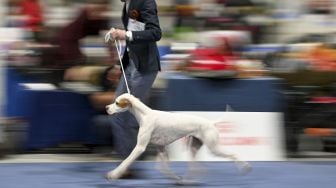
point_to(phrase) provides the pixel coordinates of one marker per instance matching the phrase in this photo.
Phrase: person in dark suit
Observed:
(141, 61)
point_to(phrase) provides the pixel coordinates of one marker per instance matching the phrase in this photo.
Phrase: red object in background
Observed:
(323, 100)
(319, 132)
(205, 59)
(33, 10)
(217, 58)
(217, 61)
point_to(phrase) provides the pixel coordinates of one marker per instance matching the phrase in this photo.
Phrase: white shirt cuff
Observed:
(129, 35)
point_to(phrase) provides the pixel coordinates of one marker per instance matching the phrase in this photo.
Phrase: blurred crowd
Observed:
(61, 34)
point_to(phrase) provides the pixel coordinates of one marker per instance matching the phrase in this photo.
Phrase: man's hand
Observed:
(118, 34)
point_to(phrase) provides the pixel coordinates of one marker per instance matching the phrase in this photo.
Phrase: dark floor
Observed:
(307, 174)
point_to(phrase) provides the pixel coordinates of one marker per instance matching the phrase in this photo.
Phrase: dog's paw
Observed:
(188, 182)
(112, 175)
(244, 167)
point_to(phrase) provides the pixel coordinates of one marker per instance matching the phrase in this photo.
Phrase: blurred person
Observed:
(141, 60)
(89, 22)
(102, 122)
(66, 51)
(220, 1)
(108, 81)
(320, 6)
(105, 79)
(184, 9)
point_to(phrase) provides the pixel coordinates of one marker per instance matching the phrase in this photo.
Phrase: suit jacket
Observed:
(143, 49)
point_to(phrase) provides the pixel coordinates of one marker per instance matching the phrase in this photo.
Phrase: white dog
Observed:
(162, 128)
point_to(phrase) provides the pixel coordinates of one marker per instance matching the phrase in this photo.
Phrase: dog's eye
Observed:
(117, 103)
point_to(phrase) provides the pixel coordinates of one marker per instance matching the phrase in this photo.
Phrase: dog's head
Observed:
(121, 104)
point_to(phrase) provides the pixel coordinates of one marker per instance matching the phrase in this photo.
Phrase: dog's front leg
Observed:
(142, 142)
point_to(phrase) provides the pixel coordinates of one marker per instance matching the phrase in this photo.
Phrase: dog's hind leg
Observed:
(243, 166)
(194, 168)
(195, 145)
(211, 140)
(166, 170)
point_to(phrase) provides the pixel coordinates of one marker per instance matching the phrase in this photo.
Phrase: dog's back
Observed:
(179, 120)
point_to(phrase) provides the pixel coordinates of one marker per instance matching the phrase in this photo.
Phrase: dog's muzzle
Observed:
(109, 109)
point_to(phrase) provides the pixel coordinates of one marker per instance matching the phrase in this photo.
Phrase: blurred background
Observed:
(272, 63)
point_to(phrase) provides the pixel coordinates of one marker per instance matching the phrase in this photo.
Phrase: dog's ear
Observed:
(123, 103)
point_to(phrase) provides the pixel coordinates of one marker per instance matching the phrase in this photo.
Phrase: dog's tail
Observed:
(224, 126)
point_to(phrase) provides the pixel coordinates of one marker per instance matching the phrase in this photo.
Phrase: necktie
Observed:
(125, 16)
(127, 3)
